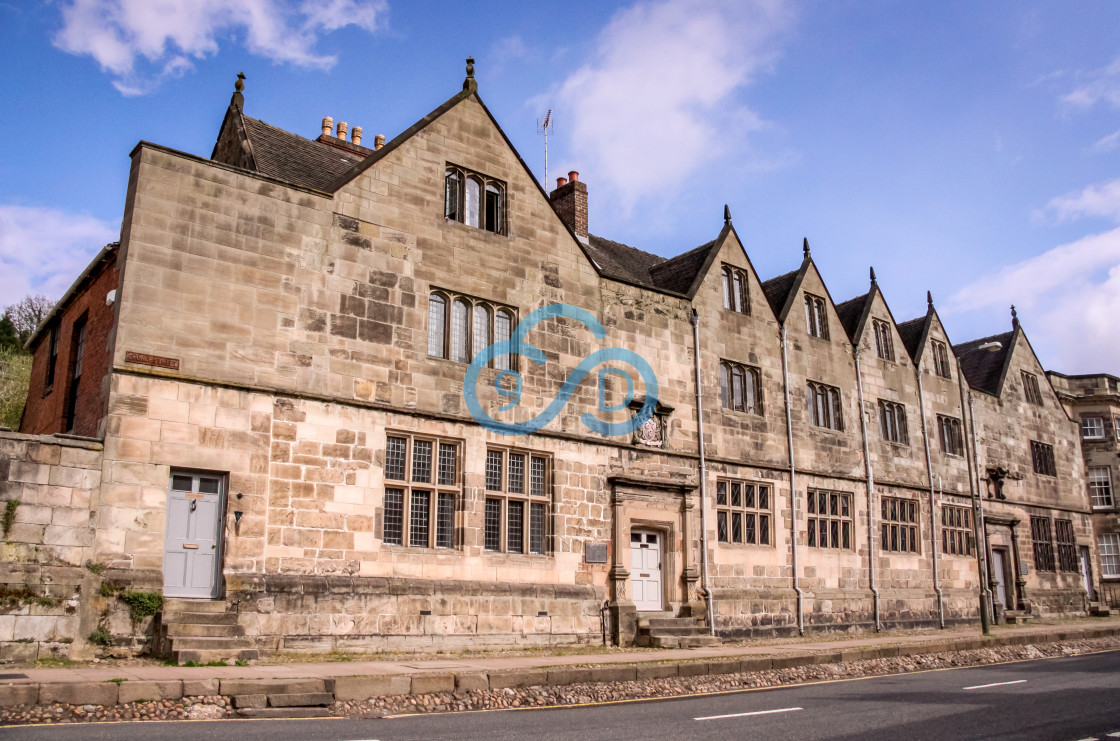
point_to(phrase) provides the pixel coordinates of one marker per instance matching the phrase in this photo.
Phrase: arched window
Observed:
(740, 387)
(481, 329)
(474, 200)
(735, 290)
(824, 406)
(815, 320)
(503, 326)
(471, 214)
(437, 326)
(460, 311)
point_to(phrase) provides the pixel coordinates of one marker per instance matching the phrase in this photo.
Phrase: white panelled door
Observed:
(645, 569)
(192, 542)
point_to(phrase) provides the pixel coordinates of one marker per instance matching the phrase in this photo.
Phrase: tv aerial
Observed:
(545, 127)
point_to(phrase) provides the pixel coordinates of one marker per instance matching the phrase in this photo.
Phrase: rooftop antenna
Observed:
(544, 128)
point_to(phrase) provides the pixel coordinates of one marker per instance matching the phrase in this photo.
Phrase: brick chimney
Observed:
(569, 200)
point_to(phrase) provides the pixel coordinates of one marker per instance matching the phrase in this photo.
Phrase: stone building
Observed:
(1094, 402)
(292, 432)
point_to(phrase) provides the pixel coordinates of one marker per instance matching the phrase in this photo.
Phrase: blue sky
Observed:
(965, 148)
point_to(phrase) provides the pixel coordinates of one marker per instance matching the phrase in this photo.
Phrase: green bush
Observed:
(142, 604)
(101, 637)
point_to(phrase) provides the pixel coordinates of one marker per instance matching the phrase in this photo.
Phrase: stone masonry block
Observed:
(692, 669)
(423, 684)
(363, 688)
(79, 693)
(559, 677)
(613, 674)
(755, 665)
(300, 699)
(471, 681)
(270, 686)
(517, 678)
(655, 671)
(250, 701)
(728, 666)
(18, 694)
(132, 691)
(199, 687)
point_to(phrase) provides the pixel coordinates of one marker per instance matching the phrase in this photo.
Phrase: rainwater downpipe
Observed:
(870, 494)
(932, 503)
(792, 490)
(709, 598)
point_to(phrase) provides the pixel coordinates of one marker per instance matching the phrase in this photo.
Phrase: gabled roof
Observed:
(287, 156)
(985, 370)
(777, 290)
(853, 315)
(621, 261)
(912, 333)
(680, 275)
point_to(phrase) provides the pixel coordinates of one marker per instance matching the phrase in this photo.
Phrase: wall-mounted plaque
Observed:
(153, 360)
(595, 552)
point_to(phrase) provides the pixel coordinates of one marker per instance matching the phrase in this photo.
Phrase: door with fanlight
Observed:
(192, 550)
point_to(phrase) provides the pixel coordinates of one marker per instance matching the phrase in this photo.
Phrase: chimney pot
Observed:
(561, 182)
(356, 135)
(328, 124)
(379, 141)
(342, 127)
(573, 176)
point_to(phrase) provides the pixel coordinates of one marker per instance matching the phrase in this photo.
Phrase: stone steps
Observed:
(202, 631)
(1099, 609)
(662, 630)
(280, 698)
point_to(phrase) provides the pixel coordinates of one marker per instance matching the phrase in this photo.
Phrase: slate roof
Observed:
(632, 265)
(287, 156)
(983, 369)
(777, 290)
(911, 334)
(850, 312)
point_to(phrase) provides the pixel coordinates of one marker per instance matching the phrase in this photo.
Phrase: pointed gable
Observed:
(777, 290)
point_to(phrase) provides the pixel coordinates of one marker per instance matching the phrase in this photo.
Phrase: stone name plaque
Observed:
(153, 360)
(595, 552)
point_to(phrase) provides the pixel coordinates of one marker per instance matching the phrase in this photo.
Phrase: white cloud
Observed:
(1098, 86)
(42, 250)
(143, 42)
(1102, 199)
(657, 100)
(1068, 298)
(1107, 143)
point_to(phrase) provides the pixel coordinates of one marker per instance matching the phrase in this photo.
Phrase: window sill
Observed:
(530, 556)
(766, 546)
(475, 229)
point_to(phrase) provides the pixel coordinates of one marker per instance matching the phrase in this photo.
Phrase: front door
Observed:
(192, 545)
(1087, 572)
(999, 577)
(645, 569)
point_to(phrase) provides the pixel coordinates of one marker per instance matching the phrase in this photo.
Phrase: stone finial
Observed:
(238, 100)
(379, 141)
(356, 135)
(1014, 318)
(873, 275)
(805, 248)
(726, 214)
(929, 299)
(470, 83)
(328, 125)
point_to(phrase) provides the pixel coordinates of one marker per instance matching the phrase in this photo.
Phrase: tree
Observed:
(15, 375)
(26, 315)
(9, 337)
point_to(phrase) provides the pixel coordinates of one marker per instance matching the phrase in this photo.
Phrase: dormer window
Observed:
(735, 290)
(474, 200)
(815, 319)
(884, 346)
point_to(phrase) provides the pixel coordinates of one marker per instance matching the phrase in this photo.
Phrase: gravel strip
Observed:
(214, 707)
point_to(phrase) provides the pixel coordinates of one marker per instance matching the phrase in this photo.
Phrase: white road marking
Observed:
(1114, 734)
(743, 715)
(994, 684)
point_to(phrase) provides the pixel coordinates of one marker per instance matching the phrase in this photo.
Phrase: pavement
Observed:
(864, 644)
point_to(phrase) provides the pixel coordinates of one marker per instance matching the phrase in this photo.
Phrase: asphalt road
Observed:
(1069, 698)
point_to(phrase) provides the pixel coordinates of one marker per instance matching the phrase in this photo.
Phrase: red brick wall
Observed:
(46, 407)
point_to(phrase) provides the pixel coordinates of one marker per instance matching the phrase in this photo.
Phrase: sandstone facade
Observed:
(274, 334)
